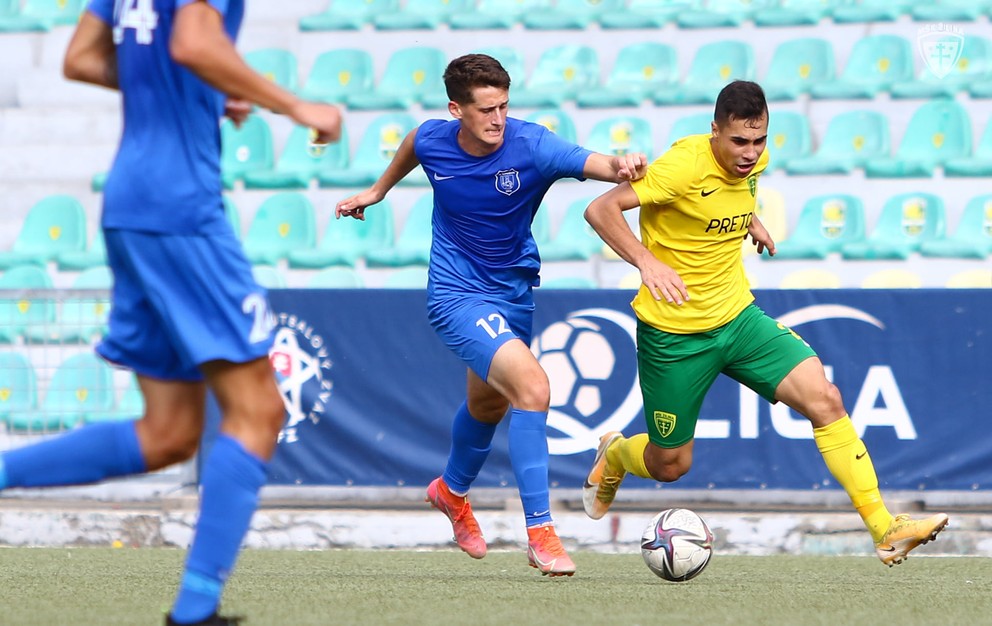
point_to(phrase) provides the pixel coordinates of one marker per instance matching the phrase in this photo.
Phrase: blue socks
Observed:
(471, 441)
(529, 457)
(87, 455)
(232, 477)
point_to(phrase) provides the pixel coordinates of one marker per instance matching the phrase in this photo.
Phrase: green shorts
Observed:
(676, 371)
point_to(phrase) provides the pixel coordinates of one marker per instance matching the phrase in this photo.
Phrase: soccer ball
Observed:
(677, 545)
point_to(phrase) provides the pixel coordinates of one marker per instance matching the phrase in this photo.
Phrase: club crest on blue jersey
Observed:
(507, 181)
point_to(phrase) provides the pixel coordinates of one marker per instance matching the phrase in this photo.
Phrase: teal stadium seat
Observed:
(276, 64)
(269, 277)
(713, 66)
(346, 240)
(557, 121)
(52, 225)
(693, 124)
(300, 162)
(980, 164)
(348, 14)
(39, 15)
(789, 138)
(410, 74)
(907, 220)
(495, 14)
(83, 318)
(620, 135)
(876, 63)
(956, 63)
(407, 278)
(722, 13)
(93, 256)
(864, 11)
(570, 14)
(18, 385)
(939, 130)
(413, 244)
(338, 74)
(949, 10)
(825, 224)
(336, 278)
(646, 14)
(575, 239)
(796, 66)
(796, 12)
(82, 384)
(561, 73)
(284, 222)
(512, 60)
(379, 143)
(640, 70)
(569, 282)
(130, 406)
(421, 14)
(851, 140)
(973, 237)
(245, 149)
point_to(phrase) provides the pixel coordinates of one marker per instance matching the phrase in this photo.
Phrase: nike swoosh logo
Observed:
(702, 193)
(858, 457)
(436, 177)
(542, 564)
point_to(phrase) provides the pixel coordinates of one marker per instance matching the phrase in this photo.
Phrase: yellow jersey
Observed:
(694, 215)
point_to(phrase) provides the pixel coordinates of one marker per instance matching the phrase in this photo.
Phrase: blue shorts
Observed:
(475, 328)
(179, 301)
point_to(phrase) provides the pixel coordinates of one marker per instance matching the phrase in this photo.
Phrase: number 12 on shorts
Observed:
(494, 319)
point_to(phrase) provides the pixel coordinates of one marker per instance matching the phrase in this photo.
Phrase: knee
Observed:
(166, 440)
(667, 473)
(265, 412)
(666, 467)
(535, 393)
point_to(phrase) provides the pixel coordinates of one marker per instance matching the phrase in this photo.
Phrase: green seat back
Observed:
(55, 224)
(621, 135)
(276, 64)
(720, 62)
(337, 74)
(511, 7)
(788, 137)
(58, 12)
(650, 65)
(245, 149)
(835, 218)
(82, 383)
(558, 122)
(909, 219)
(381, 140)
(801, 63)
(302, 157)
(20, 310)
(512, 60)
(693, 124)
(938, 130)
(358, 236)
(974, 62)
(879, 59)
(18, 384)
(414, 72)
(859, 135)
(575, 238)
(568, 67)
(284, 222)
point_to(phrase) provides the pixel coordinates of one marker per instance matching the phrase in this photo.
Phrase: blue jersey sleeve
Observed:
(103, 9)
(557, 158)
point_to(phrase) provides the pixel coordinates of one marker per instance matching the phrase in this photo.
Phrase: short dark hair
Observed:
(470, 71)
(740, 100)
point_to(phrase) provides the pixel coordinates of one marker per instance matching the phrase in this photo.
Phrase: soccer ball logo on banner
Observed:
(301, 361)
(591, 362)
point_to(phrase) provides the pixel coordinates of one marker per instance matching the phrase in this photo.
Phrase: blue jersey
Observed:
(166, 175)
(484, 206)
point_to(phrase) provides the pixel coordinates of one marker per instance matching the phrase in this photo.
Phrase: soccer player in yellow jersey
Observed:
(697, 319)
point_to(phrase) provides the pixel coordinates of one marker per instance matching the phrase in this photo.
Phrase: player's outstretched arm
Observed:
(402, 164)
(90, 56)
(605, 215)
(760, 237)
(615, 169)
(200, 43)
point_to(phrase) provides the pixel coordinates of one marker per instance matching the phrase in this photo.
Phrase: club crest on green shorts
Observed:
(664, 422)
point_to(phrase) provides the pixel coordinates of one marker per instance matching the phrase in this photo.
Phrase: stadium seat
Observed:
(52, 225)
(851, 139)
(300, 162)
(620, 135)
(348, 14)
(575, 239)
(420, 14)
(561, 73)
(269, 277)
(943, 77)
(130, 406)
(892, 279)
(407, 278)
(864, 11)
(569, 14)
(245, 149)
(875, 64)
(82, 318)
(796, 66)
(338, 74)
(413, 244)
(939, 130)
(694, 124)
(769, 206)
(83, 383)
(789, 138)
(336, 278)
(18, 384)
(410, 74)
(971, 279)
(40, 15)
(276, 64)
(907, 220)
(721, 13)
(93, 256)
(346, 240)
(825, 224)
(495, 14)
(714, 65)
(810, 278)
(510, 58)
(378, 145)
(646, 14)
(640, 70)
(283, 223)
(569, 282)
(555, 120)
(973, 237)
(979, 164)
(949, 10)
(794, 13)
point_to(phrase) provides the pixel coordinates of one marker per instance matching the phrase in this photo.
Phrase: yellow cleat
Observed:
(905, 533)
(603, 481)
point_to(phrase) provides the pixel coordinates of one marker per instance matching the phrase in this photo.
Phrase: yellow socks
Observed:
(628, 453)
(847, 459)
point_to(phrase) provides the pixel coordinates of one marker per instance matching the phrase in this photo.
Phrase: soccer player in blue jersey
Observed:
(186, 314)
(489, 174)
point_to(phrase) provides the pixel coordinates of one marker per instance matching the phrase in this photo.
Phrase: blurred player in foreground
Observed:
(186, 313)
(489, 175)
(697, 319)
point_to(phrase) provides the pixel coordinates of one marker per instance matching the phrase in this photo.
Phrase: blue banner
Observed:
(370, 390)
